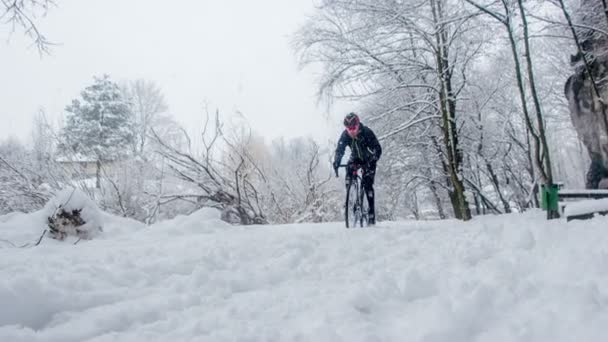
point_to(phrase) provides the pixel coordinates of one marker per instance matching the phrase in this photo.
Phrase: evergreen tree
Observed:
(100, 124)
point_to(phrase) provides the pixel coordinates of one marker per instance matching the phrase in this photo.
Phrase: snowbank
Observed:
(19, 228)
(205, 220)
(195, 278)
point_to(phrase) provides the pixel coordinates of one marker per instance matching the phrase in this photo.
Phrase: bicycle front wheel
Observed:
(350, 206)
(363, 219)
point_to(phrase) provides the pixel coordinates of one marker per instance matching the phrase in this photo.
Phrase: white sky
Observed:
(232, 54)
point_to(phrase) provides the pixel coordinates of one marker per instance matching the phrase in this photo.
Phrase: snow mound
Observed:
(205, 220)
(72, 213)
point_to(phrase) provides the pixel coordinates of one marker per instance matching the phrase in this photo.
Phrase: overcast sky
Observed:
(233, 54)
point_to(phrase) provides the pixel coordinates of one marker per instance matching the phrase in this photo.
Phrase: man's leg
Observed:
(349, 173)
(368, 185)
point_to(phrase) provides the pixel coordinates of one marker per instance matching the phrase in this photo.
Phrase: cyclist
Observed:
(365, 151)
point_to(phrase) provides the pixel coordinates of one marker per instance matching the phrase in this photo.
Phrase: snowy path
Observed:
(508, 278)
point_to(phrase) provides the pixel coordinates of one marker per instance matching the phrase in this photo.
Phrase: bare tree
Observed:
(149, 109)
(229, 188)
(388, 48)
(19, 182)
(299, 186)
(24, 14)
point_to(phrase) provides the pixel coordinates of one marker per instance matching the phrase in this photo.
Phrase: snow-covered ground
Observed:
(502, 278)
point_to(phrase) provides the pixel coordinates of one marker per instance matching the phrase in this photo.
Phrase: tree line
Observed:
(465, 95)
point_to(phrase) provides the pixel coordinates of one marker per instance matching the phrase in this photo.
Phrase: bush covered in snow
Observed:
(71, 213)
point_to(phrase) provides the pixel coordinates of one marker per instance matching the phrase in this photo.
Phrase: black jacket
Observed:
(364, 148)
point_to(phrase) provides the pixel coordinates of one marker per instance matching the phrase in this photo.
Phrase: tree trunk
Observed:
(477, 204)
(546, 157)
(531, 172)
(438, 204)
(448, 113)
(539, 115)
(98, 174)
(522, 96)
(489, 168)
(496, 184)
(415, 209)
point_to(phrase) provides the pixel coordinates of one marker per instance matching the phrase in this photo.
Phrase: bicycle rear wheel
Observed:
(351, 213)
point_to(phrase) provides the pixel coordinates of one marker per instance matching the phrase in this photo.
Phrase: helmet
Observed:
(351, 121)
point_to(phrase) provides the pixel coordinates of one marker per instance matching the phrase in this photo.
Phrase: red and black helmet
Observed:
(351, 120)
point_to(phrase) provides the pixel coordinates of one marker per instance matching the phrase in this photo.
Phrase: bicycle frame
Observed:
(359, 214)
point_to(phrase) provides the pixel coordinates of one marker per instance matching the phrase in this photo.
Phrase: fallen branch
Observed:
(28, 244)
(41, 236)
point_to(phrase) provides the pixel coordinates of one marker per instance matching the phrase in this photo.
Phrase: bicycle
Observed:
(355, 198)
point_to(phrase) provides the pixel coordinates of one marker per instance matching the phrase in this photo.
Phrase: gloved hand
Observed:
(336, 165)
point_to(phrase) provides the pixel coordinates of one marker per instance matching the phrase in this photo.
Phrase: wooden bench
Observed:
(588, 203)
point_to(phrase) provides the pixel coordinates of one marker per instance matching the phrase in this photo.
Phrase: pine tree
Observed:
(99, 125)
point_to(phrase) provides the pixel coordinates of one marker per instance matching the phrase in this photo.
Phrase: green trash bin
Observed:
(549, 200)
